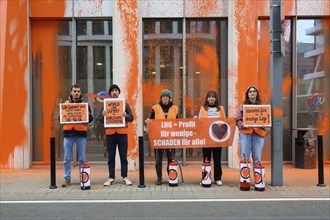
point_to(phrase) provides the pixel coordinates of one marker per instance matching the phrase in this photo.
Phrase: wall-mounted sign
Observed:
(115, 109)
(257, 115)
(73, 113)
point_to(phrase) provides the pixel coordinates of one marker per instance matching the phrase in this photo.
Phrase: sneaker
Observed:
(159, 181)
(66, 183)
(218, 182)
(127, 181)
(109, 182)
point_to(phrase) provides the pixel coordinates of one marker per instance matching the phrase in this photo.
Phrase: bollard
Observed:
(320, 160)
(141, 163)
(52, 164)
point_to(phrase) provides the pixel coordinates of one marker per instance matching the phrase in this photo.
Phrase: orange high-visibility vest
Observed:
(259, 131)
(159, 114)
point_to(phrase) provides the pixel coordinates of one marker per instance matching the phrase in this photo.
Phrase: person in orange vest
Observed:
(114, 137)
(165, 109)
(213, 109)
(74, 133)
(250, 139)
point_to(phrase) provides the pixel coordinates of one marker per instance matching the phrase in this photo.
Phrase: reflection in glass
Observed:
(162, 59)
(206, 65)
(81, 27)
(313, 37)
(162, 66)
(98, 27)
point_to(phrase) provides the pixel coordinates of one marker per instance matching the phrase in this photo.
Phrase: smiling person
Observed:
(114, 137)
(213, 109)
(250, 139)
(74, 133)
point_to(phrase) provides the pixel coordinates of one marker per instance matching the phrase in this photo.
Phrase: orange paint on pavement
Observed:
(128, 10)
(13, 86)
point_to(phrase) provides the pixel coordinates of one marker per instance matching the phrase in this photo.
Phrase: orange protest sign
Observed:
(257, 115)
(115, 107)
(191, 133)
(71, 113)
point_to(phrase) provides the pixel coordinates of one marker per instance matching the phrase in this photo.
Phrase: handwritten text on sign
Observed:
(191, 133)
(257, 115)
(71, 113)
(114, 112)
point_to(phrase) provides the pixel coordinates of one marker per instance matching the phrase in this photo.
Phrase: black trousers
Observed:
(216, 158)
(112, 141)
(170, 153)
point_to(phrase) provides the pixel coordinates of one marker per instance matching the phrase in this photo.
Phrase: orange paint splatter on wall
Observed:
(264, 62)
(128, 10)
(13, 87)
(40, 8)
(246, 17)
(278, 112)
(46, 82)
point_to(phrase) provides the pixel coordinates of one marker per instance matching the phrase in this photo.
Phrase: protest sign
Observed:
(72, 113)
(257, 115)
(191, 132)
(115, 107)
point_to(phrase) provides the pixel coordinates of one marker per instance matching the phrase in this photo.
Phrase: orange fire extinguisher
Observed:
(85, 174)
(244, 167)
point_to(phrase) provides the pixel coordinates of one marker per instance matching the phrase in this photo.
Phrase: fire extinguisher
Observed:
(85, 174)
(244, 167)
(259, 177)
(173, 177)
(206, 172)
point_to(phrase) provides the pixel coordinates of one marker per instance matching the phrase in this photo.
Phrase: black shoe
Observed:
(159, 181)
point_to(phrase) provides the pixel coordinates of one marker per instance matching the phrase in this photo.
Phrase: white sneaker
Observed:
(127, 181)
(218, 182)
(109, 182)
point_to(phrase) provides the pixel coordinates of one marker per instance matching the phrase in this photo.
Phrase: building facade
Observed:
(187, 46)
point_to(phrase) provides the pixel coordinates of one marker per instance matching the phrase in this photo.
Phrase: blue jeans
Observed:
(251, 143)
(112, 142)
(68, 142)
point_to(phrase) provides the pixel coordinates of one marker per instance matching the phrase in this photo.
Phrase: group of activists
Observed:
(251, 139)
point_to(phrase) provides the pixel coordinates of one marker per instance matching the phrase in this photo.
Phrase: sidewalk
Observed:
(33, 184)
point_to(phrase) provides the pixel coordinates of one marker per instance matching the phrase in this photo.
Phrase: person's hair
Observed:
(213, 94)
(75, 86)
(247, 100)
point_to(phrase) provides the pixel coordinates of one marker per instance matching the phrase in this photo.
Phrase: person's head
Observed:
(211, 99)
(114, 91)
(165, 96)
(75, 92)
(252, 96)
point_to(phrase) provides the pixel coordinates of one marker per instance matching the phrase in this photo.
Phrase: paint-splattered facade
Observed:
(187, 46)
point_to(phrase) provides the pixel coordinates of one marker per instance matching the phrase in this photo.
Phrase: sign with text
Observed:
(115, 108)
(191, 132)
(257, 115)
(72, 113)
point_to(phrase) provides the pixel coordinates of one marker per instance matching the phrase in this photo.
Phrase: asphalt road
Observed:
(167, 209)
